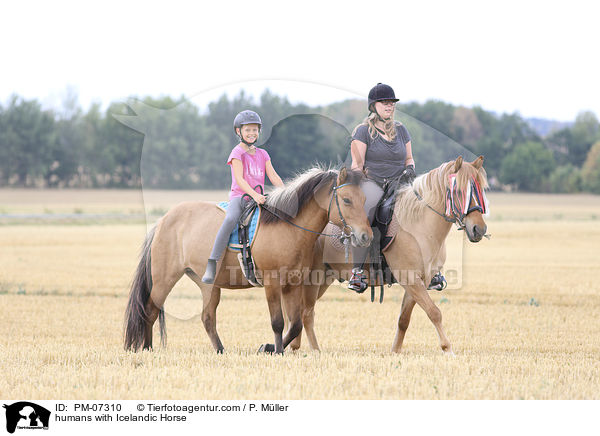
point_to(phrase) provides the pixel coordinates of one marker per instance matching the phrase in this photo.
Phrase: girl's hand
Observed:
(260, 199)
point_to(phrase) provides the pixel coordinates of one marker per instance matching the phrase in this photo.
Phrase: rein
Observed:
(450, 220)
(345, 236)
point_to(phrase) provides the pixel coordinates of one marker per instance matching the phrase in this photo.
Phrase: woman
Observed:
(382, 148)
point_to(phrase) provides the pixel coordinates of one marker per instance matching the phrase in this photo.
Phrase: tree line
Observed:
(171, 143)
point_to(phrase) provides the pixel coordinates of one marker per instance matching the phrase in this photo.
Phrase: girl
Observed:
(248, 167)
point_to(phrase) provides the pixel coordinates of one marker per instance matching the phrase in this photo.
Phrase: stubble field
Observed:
(524, 324)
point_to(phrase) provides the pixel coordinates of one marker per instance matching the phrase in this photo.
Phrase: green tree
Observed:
(90, 148)
(4, 151)
(119, 150)
(572, 144)
(26, 142)
(433, 113)
(591, 170)
(527, 166)
(66, 153)
(465, 126)
(180, 150)
(502, 134)
(565, 179)
(300, 141)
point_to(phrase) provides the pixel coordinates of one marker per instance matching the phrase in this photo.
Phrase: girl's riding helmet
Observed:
(246, 117)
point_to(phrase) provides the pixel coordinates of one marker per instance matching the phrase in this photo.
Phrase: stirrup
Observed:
(358, 281)
(438, 282)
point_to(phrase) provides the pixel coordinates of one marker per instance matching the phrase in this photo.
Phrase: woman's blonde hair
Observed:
(389, 126)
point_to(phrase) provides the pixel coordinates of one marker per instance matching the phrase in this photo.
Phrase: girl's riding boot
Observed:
(211, 271)
(358, 281)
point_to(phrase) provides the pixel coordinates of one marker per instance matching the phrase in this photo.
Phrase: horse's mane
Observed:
(432, 188)
(288, 201)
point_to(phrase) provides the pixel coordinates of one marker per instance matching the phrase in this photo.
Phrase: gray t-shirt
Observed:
(384, 159)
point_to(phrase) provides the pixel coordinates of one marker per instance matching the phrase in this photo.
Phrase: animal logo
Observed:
(24, 414)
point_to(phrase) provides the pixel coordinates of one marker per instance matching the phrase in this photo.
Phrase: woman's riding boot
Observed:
(358, 281)
(438, 282)
(211, 271)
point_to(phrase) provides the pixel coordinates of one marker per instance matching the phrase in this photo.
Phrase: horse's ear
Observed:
(478, 163)
(458, 163)
(342, 176)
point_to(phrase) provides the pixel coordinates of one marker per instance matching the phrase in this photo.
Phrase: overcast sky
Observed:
(539, 58)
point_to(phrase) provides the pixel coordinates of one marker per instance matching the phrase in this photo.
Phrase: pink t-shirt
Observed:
(254, 169)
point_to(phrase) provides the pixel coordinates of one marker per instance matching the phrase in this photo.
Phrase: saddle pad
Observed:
(234, 243)
(332, 229)
(390, 234)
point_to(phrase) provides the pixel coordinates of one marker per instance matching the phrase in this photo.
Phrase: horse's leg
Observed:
(152, 313)
(422, 298)
(210, 301)
(297, 341)
(308, 313)
(211, 296)
(439, 261)
(292, 302)
(406, 255)
(407, 306)
(273, 294)
(309, 297)
(161, 288)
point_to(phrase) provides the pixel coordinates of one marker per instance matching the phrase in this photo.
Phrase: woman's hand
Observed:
(408, 175)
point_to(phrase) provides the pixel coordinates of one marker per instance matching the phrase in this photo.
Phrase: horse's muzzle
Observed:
(361, 239)
(475, 233)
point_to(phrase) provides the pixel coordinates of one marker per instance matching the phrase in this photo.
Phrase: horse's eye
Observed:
(347, 201)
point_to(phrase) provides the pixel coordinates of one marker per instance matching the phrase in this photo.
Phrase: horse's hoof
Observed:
(267, 348)
(220, 350)
(449, 353)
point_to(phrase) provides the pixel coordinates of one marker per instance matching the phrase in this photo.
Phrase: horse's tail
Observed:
(135, 314)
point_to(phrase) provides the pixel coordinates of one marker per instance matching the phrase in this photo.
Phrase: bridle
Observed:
(347, 231)
(457, 206)
(345, 235)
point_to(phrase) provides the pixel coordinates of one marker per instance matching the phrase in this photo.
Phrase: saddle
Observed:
(242, 238)
(385, 211)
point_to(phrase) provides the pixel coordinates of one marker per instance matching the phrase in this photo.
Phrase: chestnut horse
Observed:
(290, 223)
(425, 211)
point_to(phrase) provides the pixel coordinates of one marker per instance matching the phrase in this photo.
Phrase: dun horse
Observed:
(291, 221)
(453, 192)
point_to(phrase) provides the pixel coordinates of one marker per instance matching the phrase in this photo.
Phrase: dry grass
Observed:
(94, 201)
(523, 325)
